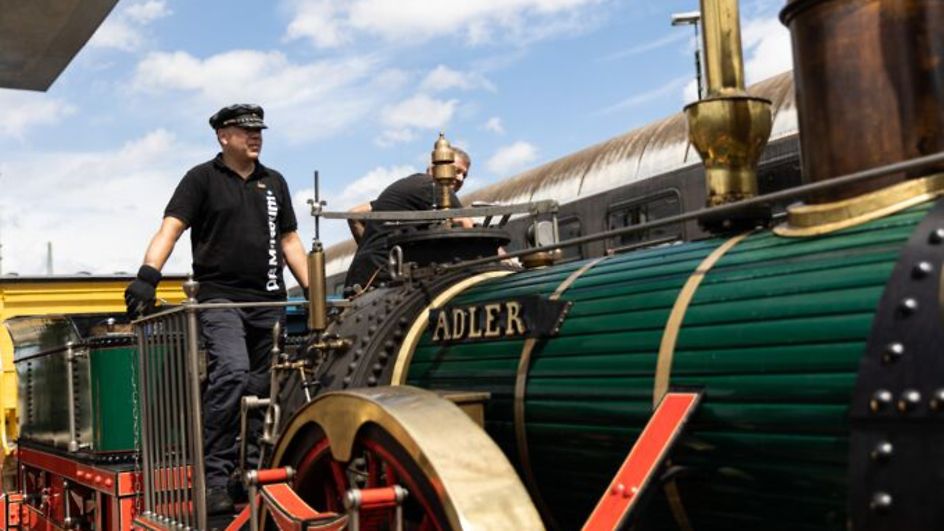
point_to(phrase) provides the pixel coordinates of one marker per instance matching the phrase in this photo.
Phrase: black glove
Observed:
(140, 295)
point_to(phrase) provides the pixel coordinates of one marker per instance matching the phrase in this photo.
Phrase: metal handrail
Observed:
(718, 211)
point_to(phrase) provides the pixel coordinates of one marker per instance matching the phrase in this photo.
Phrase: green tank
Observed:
(773, 336)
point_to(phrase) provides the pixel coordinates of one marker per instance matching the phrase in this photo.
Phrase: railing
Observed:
(170, 406)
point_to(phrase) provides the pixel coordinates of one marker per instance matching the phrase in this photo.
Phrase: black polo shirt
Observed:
(235, 230)
(416, 192)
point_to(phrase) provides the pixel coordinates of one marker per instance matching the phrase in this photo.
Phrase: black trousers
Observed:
(239, 343)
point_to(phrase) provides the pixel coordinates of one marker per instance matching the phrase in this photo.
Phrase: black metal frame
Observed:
(896, 450)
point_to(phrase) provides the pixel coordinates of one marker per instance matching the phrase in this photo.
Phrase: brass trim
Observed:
(814, 220)
(521, 385)
(940, 295)
(405, 354)
(476, 485)
(674, 323)
(667, 350)
(674, 497)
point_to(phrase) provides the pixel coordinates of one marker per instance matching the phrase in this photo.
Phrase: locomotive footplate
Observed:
(113, 479)
(111, 459)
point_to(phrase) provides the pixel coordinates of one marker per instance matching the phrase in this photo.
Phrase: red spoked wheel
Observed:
(455, 475)
(377, 461)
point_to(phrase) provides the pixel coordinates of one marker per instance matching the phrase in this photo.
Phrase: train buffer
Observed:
(621, 499)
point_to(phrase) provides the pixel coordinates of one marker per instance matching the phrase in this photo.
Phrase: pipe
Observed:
(724, 63)
(196, 420)
(728, 128)
(317, 290)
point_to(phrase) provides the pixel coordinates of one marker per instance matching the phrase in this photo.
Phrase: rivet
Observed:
(346, 381)
(909, 400)
(377, 368)
(937, 400)
(383, 356)
(881, 501)
(358, 353)
(922, 269)
(880, 399)
(908, 306)
(937, 236)
(372, 381)
(618, 489)
(372, 329)
(883, 451)
(893, 352)
(390, 344)
(352, 366)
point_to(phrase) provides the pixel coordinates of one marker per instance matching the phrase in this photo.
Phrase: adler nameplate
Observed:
(522, 317)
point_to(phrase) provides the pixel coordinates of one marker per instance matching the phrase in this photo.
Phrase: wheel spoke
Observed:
(374, 465)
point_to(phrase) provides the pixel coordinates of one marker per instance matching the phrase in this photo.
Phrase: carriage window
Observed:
(566, 230)
(658, 207)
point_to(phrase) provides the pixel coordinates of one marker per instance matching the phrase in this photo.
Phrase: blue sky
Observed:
(357, 89)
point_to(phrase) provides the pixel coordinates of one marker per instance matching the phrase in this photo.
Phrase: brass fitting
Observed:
(729, 128)
(317, 292)
(444, 171)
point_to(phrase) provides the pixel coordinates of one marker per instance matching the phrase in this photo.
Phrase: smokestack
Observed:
(49, 258)
(869, 79)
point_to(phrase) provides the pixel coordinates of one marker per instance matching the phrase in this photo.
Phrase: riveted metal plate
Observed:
(896, 462)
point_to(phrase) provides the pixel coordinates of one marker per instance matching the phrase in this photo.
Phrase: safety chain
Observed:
(136, 422)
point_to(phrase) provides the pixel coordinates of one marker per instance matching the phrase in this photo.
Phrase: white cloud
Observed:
(324, 22)
(25, 110)
(316, 21)
(665, 40)
(125, 29)
(668, 87)
(443, 78)
(512, 158)
(418, 112)
(99, 209)
(118, 34)
(395, 136)
(147, 12)
(364, 189)
(690, 92)
(306, 101)
(494, 124)
(767, 49)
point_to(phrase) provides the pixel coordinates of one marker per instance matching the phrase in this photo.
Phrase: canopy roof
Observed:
(38, 38)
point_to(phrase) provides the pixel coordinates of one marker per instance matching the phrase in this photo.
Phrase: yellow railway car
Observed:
(57, 295)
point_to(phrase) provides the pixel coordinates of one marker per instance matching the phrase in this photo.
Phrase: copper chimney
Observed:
(729, 128)
(869, 80)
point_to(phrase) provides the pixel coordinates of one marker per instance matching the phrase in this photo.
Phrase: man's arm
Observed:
(295, 257)
(465, 223)
(140, 296)
(356, 225)
(162, 244)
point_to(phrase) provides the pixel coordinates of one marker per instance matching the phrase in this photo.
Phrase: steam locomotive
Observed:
(459, 392)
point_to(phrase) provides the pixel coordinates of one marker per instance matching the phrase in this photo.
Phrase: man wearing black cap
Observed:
(242, 233)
